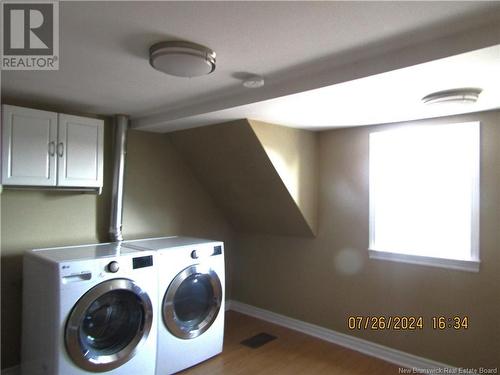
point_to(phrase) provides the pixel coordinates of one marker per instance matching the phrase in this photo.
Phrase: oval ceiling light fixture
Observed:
(459, 96)
(253, 81)
(182, 59)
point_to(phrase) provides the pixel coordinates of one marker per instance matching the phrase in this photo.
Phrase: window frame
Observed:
(472, 264)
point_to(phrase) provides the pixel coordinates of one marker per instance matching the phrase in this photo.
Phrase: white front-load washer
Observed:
(89, 309)
(191, 295)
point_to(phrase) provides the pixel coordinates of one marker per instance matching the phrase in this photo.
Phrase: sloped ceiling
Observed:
(233, 164)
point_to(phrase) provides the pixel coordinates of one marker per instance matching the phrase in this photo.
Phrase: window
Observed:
(424, 195)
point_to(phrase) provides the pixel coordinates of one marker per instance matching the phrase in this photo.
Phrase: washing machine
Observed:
(191, 300)
(89, 309)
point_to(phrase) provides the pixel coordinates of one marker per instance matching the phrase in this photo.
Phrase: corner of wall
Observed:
(294, 155)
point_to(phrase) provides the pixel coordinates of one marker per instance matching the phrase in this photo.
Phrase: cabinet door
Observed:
(80, 151)
(28, 146)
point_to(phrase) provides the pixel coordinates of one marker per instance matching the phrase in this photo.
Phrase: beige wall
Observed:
(161, 198)
(299, 277)
(307, 279)
(294, 154)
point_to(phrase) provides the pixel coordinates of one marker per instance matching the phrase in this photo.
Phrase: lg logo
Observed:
(28, 29)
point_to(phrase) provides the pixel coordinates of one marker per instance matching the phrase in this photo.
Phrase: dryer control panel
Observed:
(206, 252)
(217, 250)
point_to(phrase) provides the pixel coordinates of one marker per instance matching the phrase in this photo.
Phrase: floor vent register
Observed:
(258, 340)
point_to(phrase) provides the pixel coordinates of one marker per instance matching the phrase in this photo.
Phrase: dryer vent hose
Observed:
(119, 151)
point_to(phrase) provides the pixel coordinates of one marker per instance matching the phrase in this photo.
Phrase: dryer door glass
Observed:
(192, 302)
(108, 324)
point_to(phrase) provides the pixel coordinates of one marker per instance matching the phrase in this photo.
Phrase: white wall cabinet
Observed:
(41, 148)
(79, 151)
(29, 140)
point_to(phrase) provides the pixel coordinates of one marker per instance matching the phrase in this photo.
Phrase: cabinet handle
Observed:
(52, 148)
(60, 149)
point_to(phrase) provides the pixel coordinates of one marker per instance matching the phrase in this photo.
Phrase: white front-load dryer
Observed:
(191, 294)
(89, 309)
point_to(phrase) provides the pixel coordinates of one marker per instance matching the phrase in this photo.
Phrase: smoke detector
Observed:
(458, 96)
(253, 81)
(182, 59)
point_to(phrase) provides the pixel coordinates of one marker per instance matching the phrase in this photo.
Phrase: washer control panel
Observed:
(113, 266)
(141, 262)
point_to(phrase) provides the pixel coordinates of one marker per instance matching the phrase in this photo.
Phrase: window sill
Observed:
(455, 264)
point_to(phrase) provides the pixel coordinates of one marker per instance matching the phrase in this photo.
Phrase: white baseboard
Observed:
(15, 370)
(385, 353)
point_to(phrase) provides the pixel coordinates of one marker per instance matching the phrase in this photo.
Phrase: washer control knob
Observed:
(194, 254)
(113, 267)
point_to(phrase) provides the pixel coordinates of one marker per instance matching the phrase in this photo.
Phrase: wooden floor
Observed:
(291, 353)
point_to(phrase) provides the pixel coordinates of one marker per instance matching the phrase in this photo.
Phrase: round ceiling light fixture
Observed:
(459, 96)
(182, 59)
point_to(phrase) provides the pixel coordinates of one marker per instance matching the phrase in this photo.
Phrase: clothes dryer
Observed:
(191, 300)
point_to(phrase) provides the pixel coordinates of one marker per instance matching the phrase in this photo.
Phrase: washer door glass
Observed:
(107, 325)
(192, 302)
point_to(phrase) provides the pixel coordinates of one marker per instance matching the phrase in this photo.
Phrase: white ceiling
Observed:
(296, 46)
(382, 98)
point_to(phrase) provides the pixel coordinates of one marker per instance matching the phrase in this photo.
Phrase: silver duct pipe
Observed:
(120, 150)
